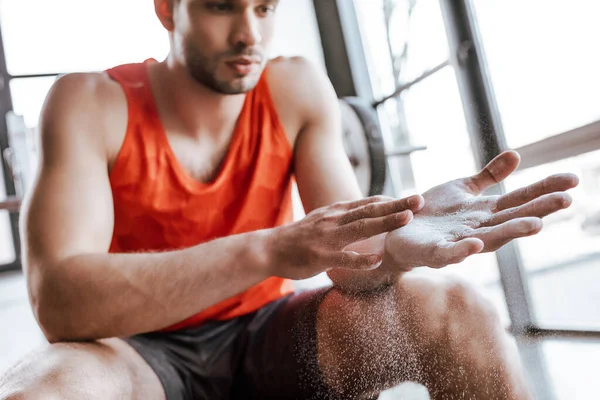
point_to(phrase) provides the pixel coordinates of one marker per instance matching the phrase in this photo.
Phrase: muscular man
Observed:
(160, 249)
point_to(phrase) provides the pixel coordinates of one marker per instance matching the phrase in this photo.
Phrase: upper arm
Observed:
(323, 172)
(69, 209)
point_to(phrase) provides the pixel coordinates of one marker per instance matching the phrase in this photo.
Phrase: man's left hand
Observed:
(457, 221)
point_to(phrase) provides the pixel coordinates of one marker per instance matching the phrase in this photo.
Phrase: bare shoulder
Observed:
(82, 107)
(76, 92)
(300, 82)
(301, 90)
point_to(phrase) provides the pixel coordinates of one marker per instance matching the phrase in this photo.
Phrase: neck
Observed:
(190, 108)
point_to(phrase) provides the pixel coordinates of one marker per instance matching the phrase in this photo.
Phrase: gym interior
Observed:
(429, 91)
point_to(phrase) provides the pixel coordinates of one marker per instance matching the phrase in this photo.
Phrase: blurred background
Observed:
(451, 83)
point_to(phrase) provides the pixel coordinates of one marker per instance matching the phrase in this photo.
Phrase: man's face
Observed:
(224, 43)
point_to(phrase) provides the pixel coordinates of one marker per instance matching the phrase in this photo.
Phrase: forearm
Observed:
(114, 295)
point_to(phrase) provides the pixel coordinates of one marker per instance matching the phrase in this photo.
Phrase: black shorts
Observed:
(268, 354)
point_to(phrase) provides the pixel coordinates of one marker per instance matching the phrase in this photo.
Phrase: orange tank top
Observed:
(158, 206)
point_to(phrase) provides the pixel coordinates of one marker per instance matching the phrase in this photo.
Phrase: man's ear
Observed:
(164, 12)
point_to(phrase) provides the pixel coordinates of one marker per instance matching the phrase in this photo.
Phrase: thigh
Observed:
(106, 369)
(288, 344)
(197, 363)
(421, 330)
(300, 348)
(280, 359)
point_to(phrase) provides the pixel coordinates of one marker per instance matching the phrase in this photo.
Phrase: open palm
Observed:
(458, 221)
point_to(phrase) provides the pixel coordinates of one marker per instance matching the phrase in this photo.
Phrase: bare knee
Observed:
(464, 328)
(30, 395)
(469, 313)
(64, 371)
(473, 352)
(446, 311)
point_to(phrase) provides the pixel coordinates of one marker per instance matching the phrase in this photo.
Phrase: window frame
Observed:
(346, 66)
(9, 185)
(12, 202)
(485, 128)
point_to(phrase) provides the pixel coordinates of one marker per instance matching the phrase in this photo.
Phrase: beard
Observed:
(204, 69)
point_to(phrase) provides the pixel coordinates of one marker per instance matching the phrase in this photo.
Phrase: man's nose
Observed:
(247, 31)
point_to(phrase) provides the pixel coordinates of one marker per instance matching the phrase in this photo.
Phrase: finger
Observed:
(353, 260)
(552, 184)
(540, 207)
(495, 171)
(455, 252)
(369, 227)
(350, 205)
(497, 236)
(375, 210)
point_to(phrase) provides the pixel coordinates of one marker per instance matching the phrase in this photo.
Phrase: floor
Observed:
(559, 368)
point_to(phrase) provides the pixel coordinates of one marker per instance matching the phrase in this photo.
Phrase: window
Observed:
(405, 39)
(417, 40)
(547, 84)
(52, 37)
(543, 68)
(104, 34)
(542, 62)
(7, 250)
(28, 95)
(562, 263)
(72, 35)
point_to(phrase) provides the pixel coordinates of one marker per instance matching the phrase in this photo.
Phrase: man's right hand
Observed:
(316, 243)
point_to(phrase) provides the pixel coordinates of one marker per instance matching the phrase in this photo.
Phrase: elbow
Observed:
(60, 325)
(65, 305)
(55, 339)
(51, 332)
(57, 303)
(61, 321)
(53, 312)
(52, 322)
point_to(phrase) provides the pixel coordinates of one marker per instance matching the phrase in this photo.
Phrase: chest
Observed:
(202, 159)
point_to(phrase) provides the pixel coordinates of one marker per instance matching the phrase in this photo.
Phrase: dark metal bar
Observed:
(485, 130)
(342, 48)
(355, 50)
(14, 266)
(5, 107)
(334, 47)
(410, 84)
(516, 290)
(535, 366)
(530, 344)
(466, 56)
(36, 75)
(548, 333)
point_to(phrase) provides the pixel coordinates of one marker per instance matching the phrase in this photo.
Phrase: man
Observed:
(159, 245)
